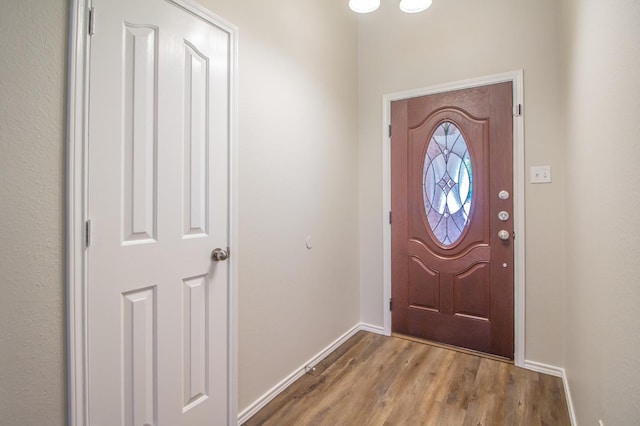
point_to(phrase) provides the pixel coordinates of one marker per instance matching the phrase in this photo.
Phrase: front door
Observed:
(452, 228)
(158, 194)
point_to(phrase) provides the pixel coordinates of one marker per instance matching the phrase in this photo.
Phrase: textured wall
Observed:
(32, 146)
(602, 59)
(456, 40)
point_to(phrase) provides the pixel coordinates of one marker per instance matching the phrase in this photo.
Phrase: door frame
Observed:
(76, 204)
(517, 79)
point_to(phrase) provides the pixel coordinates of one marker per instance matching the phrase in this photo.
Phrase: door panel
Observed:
(425, 292)
(158, 137)
(452, 277)
(471, 292)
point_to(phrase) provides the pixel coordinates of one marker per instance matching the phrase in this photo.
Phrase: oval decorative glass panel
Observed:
(447, 183)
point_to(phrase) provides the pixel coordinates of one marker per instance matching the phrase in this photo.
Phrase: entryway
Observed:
(455, 268)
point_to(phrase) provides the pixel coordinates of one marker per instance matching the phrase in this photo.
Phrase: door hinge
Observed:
(389, 130)
(87, 233)
(391, 304)
(92, 21)
(517, 110)
(389, 217)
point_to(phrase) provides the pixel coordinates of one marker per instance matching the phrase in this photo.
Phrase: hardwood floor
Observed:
(378, 380)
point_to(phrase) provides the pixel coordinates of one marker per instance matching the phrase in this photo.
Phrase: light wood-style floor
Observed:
(378, 380)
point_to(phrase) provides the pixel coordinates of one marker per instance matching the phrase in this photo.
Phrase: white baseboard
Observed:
(371, 328)
(558, 372)
(567, 392)
(539, 367)
(252, 409)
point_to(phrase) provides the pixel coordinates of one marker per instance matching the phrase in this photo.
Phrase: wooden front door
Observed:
(452, 229)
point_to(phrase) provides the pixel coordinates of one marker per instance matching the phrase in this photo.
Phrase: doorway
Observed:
(427, 301)
(152, 207)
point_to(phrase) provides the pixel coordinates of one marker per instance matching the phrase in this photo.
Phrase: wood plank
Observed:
(378, 380)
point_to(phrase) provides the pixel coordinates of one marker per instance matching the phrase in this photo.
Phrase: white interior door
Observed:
(158, 198)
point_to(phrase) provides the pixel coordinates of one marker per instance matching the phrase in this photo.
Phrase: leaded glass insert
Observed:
(447, 183)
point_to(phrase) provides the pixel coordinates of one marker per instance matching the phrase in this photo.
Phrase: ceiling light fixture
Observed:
(414, 6)
(364, 6)
(407, 6)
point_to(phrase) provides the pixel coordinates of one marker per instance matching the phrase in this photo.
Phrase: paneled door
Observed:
(158, 203)
(452, 230)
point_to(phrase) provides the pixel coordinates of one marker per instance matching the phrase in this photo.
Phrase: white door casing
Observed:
(152, 318)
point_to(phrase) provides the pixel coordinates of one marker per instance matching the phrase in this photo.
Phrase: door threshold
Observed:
(453, 348)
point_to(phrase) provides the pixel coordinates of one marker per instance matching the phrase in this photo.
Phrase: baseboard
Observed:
(539, 367)
(252, 409)
(371, 328)
(567, 392)
(558, 372)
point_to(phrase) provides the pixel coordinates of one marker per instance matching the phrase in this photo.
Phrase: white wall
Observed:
(456, 40)
(298, 177)
(32, 150)
(602, 59)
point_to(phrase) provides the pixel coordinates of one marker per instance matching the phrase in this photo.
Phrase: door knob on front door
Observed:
(503, 235)
(218, 255)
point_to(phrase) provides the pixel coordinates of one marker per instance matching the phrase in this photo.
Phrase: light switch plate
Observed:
(540, 174)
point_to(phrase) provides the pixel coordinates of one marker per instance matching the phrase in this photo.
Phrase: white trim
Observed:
(567, 393)
(232, 374)
(557, 372)
(76, 212)
(517, 78)
(258, 404)
(371, 328)
(79, 44)
(539, 367)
